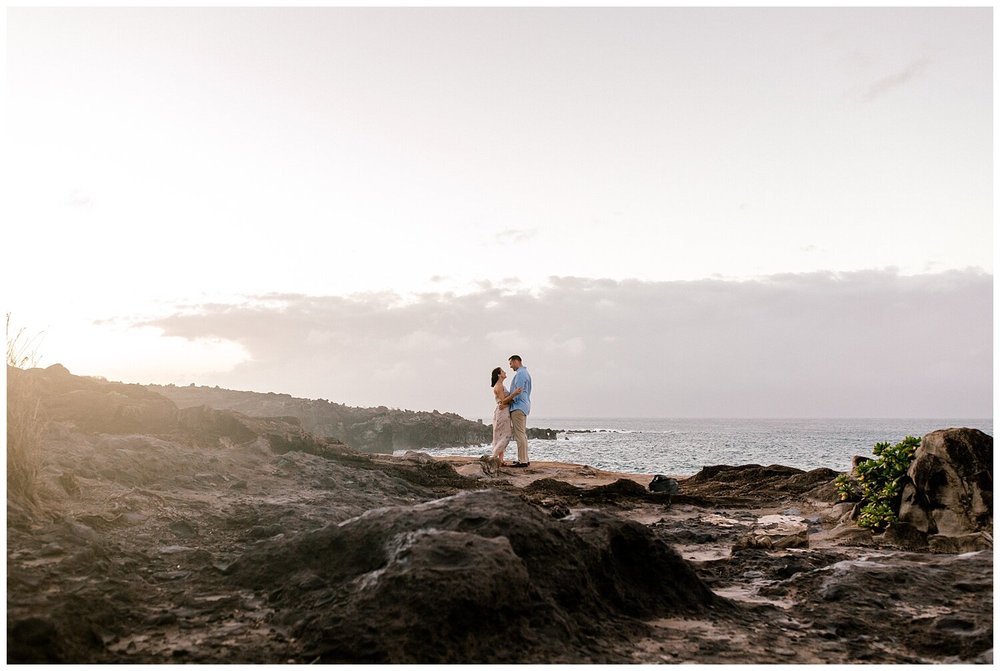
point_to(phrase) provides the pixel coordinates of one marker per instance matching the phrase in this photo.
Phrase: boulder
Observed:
(663, 484)
(905, 536)
(960, 544)
(856, 461)
(473, 578)
(620, 489)
(752, 483)
(209, 426)
(949, 490)
(775, 532)
(765, 541)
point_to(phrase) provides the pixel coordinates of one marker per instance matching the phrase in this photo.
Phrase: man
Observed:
(520, 407)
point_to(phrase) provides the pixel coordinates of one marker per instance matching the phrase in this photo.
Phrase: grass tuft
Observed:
(25, 424)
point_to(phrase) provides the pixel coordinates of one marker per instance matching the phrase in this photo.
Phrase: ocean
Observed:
(685, 446)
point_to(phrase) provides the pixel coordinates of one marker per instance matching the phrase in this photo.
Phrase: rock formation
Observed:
(96, 405)
(378, 429)
(752, 483)
(205, 535)
(480, 576)
(949, 490)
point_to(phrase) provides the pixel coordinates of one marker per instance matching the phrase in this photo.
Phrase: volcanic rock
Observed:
(95, 405)
(227, 538)
(379, 429)
(752, 483)
(949, 492)
(476, 577)
(663, 484)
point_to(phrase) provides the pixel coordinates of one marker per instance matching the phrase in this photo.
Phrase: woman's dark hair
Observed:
(496, 376)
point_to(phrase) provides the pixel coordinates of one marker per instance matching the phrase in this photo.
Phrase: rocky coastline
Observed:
(162, 531)
(380, 429)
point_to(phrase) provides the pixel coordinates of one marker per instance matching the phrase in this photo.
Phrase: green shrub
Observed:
(847, 488)
(879, 482)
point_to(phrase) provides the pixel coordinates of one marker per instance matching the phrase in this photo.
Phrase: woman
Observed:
(501, 416)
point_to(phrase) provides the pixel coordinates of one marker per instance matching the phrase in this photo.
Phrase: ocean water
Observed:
(685, 446)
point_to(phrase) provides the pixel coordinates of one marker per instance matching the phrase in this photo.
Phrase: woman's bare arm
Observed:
(514, 392)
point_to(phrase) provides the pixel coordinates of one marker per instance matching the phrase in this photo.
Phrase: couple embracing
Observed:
(511, 414)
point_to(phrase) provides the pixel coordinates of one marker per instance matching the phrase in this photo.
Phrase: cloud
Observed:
(862, 344)
(572, 346)
(501, 339)
(516, 235)
(895, 80)
(78, 199)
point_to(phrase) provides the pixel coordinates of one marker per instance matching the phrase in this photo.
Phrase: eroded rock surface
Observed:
(477, 577)
(751, 483)
(949, 495)
(224, 538)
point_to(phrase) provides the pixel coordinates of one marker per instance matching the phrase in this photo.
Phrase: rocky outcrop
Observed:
(663, 484)
(949, 491)
(477, 577)
(558, 496)
(200, 549)
(753, 483)
(379, 429)
(207, 426)
(230, 539)
(96, 405)
(212, 427)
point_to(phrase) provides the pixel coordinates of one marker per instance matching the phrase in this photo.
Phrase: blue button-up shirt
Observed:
(522, 401)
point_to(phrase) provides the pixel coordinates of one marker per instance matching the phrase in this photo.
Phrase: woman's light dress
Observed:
(502, 429)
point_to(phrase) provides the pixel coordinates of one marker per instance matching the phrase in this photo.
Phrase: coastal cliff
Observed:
(378, 429)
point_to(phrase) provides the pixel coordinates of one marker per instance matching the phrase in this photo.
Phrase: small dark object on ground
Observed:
(661, 483)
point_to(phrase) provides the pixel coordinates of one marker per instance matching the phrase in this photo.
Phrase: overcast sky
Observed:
(665, 211)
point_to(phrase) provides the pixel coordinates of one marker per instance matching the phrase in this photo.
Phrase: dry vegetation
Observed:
(25, 424)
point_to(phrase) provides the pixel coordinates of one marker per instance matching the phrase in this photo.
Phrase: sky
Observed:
(665, 211)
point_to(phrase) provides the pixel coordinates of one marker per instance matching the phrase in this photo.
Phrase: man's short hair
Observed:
(513, 356)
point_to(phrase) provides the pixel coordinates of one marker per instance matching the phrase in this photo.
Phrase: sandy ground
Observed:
(575, 474)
